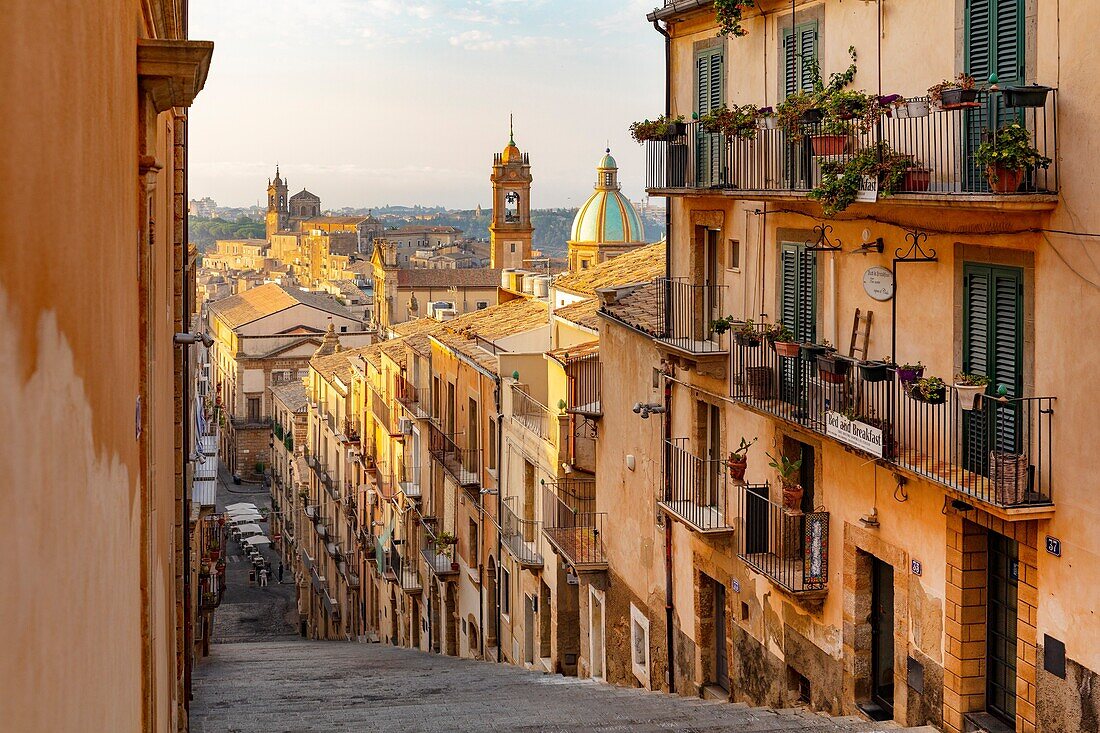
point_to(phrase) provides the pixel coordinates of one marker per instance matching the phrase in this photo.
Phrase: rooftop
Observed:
(265, 300)
(582, 313)
(477, 277)
(636, 308)
(293, 395)
(514, 317)
(643, 263)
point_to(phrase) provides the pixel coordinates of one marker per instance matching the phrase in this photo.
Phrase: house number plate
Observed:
(1054, 546)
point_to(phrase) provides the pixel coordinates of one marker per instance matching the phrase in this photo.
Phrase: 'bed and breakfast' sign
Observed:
(854, 433)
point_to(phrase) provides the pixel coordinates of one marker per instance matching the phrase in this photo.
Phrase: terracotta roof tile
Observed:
(293, 395)
(643, 263)
(474, 277)
(637, 308)
(265, 300)
(582, 313)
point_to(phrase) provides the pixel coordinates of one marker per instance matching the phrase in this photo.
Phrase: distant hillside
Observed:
(202, 232)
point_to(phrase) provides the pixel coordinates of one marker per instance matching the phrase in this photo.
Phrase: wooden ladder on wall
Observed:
(861, 334)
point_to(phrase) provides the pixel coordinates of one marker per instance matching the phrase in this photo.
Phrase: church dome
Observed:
(607, 216)
(511, 152)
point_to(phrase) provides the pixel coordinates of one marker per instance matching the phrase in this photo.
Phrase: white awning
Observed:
(257, 540)
(239, 518)
(240, 505)
(250, 529)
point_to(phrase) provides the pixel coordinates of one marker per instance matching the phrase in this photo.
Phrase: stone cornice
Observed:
(173, 72)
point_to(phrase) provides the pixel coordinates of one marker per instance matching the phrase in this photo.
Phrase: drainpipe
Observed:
(500, 507)
(665, 418)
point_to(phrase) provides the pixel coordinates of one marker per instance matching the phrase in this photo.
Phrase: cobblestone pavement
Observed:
(298, 685)
(249, 612)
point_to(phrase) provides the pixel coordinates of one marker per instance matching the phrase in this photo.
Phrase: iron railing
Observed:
(686, 313)
(570, 524)
(410, 485)
(463, 464)
(585, 383)
(520, 536)
(409, 396)
(529, 412)
(788, 546)
(380, 409)
(351, 429)
(996, 450)
(940, 144)
(695, 489)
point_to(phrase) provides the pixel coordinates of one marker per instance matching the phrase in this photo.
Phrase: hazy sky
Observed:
(375, 102)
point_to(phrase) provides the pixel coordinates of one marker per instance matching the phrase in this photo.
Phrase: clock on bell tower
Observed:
(511, 233)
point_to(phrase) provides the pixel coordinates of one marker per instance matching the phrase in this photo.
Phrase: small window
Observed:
(253, 408)
(584, 264)
(513, 246)
(734, 262)
(491, 459)
(482, 305)
(473, 543)
(343, 329)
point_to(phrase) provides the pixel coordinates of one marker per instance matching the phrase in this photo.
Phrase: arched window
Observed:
(511, 206)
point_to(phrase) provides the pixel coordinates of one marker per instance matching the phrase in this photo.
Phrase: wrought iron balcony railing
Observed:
(410, 397)
(790, 547)
(940, 143)
(585, 384)
(995, 448)
(571, 525)
(463, 464)
(380, 409)
(696, 489)
(410, 484)
(530, 413)
(520, 536)
(686, 313)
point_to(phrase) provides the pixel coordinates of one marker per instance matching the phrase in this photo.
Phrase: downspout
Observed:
(500, 508)
(669, 610)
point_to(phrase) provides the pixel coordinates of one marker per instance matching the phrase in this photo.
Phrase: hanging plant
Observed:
(736, 122)
(841, 180)
(728, 14)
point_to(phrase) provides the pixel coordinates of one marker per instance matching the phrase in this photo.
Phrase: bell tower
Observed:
(278, 209)
(511, 232)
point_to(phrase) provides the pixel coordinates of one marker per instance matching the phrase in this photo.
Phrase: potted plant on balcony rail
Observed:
(957, 93)
(875, 371)
(833, 368)
(810, 352)
(1007, 155)
(788, 478)
(909, 373)
(783, 341)
(766, 119)
(736, 122)
(739, 460)
(832, 137)
(746, 334)
(930, 390)
(1032, 95)
(908, 109)
(663, 128)
(969, 387)
(721, 325)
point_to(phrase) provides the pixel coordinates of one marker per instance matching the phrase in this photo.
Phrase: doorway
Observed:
(1000, 678)
(882, 640)
(721, 656)
(596, 637)
(528, 629)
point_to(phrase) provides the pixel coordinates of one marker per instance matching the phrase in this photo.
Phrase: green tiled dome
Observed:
(607, 216)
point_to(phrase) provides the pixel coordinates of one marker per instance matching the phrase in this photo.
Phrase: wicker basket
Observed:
(1008, 474)
(758, 379)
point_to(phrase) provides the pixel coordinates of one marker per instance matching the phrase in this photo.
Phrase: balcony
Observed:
(520, 536)
(409, 396)
(530, 413)
(211, 590)
(789, 547)
(685, 314)
(440, 565)
(996, 451)
(410, 486)
(404, 571)
(352, 430)
(252, 422)
(572, 526)
(463, 464)
(772, 166)
(380, 409)
(696, 490)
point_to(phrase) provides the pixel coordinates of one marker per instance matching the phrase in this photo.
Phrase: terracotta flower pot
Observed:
(788, 349)
(916, 179)
(1004, 180)
(968, 395)
(737, 466)
(829, 144)
(792, 496)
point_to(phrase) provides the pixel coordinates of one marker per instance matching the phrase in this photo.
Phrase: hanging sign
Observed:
(879, 283)
(855, 433)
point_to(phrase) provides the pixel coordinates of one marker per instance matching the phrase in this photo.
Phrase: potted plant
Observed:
(1033, 95)
(736, 123)
(788, 478)
(746, 334)
(766, 119)
(795, 111)
(911, 108)
(930, 390)
(663, 128)
(832, 138)
(444, 543)
(954, 93)
(728, 14)
(721, 325)
(841, 180)
(739, 460)
(969, 387)
(909, 373)
(833, 368)
(1007, 155)
(810, 352)
(783, 341)
(875, 371)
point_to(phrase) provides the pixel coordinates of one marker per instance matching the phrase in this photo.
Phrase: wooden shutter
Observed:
(995, 40)
(798, 292)
(709, 77)
(799, 50)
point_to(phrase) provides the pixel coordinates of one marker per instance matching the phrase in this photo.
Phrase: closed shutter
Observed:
(993, 346)
(800, 50)
(994, 44)
(709, 96)
(798, 312)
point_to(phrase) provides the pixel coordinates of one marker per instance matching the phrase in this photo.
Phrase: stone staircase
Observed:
(333, 686)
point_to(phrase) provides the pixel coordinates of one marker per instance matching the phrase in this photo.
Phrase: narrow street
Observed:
(261, 677)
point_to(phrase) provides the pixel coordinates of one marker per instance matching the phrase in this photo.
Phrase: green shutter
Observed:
(797, 74)
(709, 95)
(798, 291)
(995, 40)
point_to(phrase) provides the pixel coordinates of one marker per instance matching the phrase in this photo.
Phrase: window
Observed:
(491, 458)
(734, 260)
(253, 408)
(800, 51)
(585, 264)
(513, 246)
(482, 305)
(343, 329)
(505, 592)
(474, 545)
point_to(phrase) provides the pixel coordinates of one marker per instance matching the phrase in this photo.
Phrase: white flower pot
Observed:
(917, 108)
(968, 395)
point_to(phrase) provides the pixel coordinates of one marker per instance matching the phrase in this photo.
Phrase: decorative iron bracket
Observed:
(824, 244)
(916, 251)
